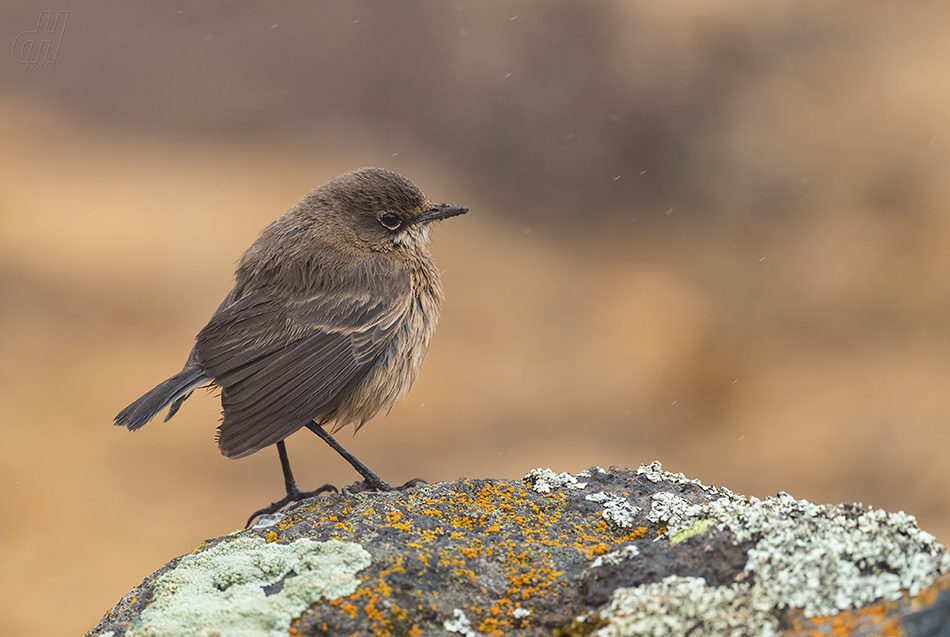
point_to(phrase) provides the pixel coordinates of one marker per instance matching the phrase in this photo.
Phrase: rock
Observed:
(608, 553)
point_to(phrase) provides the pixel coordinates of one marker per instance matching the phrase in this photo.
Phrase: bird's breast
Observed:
(397, 366)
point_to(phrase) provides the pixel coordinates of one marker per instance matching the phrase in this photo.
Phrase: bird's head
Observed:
(380, 209)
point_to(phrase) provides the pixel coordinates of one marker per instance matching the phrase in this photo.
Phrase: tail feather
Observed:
(176, 406)
(171, 392)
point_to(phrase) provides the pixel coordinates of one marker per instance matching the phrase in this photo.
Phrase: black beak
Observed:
(440, 211)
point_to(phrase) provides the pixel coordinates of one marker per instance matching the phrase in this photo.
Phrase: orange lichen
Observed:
(469, 552)
(397, 565)
(882, 618)
(491, 626)
(349, 609)
(499, 521)
(928, 595)
(597, 549)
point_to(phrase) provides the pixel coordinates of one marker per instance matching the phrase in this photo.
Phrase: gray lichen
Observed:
(460, 625)
(654, 473)
(757, 559)
(545, 481)
(820, 558)
(680, 606)
(618, 512)
(668, 508)
(249, 587)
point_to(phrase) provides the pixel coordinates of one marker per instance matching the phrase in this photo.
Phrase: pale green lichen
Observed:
(820, 558)
(699, 526)
(249, 587)
(654, 473)
(460, 625)
(681, 606)
(618, 512)
(545, 481)
(668, 508)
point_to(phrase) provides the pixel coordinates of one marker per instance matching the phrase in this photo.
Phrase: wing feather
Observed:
(282, 362)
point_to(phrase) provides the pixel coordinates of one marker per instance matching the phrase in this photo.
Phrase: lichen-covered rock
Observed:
(249, 586)
(611, 553)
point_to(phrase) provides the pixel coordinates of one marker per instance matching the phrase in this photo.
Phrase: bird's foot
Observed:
(380, 486)
(293, 495)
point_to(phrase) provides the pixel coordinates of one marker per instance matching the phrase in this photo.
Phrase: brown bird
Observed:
(330, 317)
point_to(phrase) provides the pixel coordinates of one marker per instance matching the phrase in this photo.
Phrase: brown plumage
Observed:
(330, 316)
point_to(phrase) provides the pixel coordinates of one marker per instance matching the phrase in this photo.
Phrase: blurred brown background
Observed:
(713, 234)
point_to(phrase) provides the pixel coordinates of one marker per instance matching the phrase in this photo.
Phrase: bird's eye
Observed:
(390, 220)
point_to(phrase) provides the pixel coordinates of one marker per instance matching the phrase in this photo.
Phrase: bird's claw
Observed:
(380, 486)
(293, 496)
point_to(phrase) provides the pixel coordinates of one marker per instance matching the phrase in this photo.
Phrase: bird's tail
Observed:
(174, 390)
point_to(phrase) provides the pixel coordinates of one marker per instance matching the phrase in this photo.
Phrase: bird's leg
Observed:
(294, 494)
(289, 483)
(371, 481)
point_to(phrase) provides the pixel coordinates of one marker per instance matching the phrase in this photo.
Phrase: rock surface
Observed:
(608, 553)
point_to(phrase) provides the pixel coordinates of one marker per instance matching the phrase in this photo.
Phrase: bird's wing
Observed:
(282, 362)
